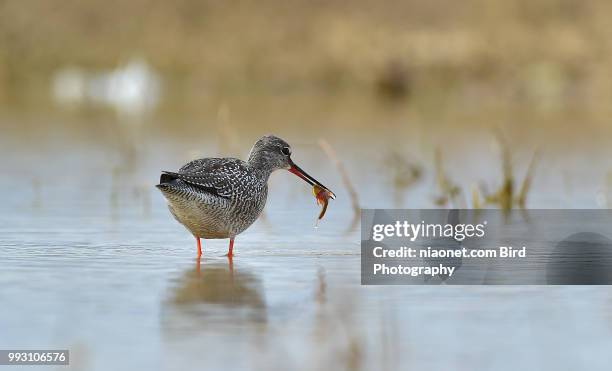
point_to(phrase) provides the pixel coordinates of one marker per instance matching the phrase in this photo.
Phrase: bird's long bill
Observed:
(310, 180)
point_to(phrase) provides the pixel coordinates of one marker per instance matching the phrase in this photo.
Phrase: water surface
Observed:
(92, 261)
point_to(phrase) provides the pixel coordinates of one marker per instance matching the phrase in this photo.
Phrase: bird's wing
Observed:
(213, 175)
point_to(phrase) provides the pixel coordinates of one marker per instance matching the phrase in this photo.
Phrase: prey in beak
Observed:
(308, 179)
(322, 193)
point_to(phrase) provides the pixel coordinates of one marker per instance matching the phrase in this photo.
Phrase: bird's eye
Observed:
(286, 151)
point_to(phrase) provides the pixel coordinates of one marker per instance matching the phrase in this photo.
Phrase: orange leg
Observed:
(197, 268)
(230, 253)
(199, 246)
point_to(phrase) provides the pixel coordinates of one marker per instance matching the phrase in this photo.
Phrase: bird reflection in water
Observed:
(213, 293)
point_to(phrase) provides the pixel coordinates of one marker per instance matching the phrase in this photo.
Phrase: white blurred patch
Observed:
(68, 86)
(132, 89)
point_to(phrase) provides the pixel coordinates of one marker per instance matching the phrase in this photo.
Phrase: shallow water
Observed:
(92, 261)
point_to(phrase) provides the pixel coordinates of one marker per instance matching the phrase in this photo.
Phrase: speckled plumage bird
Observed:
(222, 197)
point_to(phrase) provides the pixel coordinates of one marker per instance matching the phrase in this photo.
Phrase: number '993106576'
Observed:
(34, 357)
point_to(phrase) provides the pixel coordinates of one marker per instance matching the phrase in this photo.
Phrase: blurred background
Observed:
(418, 104)
(400, 80)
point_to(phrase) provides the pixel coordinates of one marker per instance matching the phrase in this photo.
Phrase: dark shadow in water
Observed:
(581, 259)
(210, 294)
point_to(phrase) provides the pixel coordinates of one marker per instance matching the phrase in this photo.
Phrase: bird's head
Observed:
(271, 153)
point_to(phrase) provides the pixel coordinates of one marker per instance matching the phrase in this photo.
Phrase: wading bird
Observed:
(222, 197)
